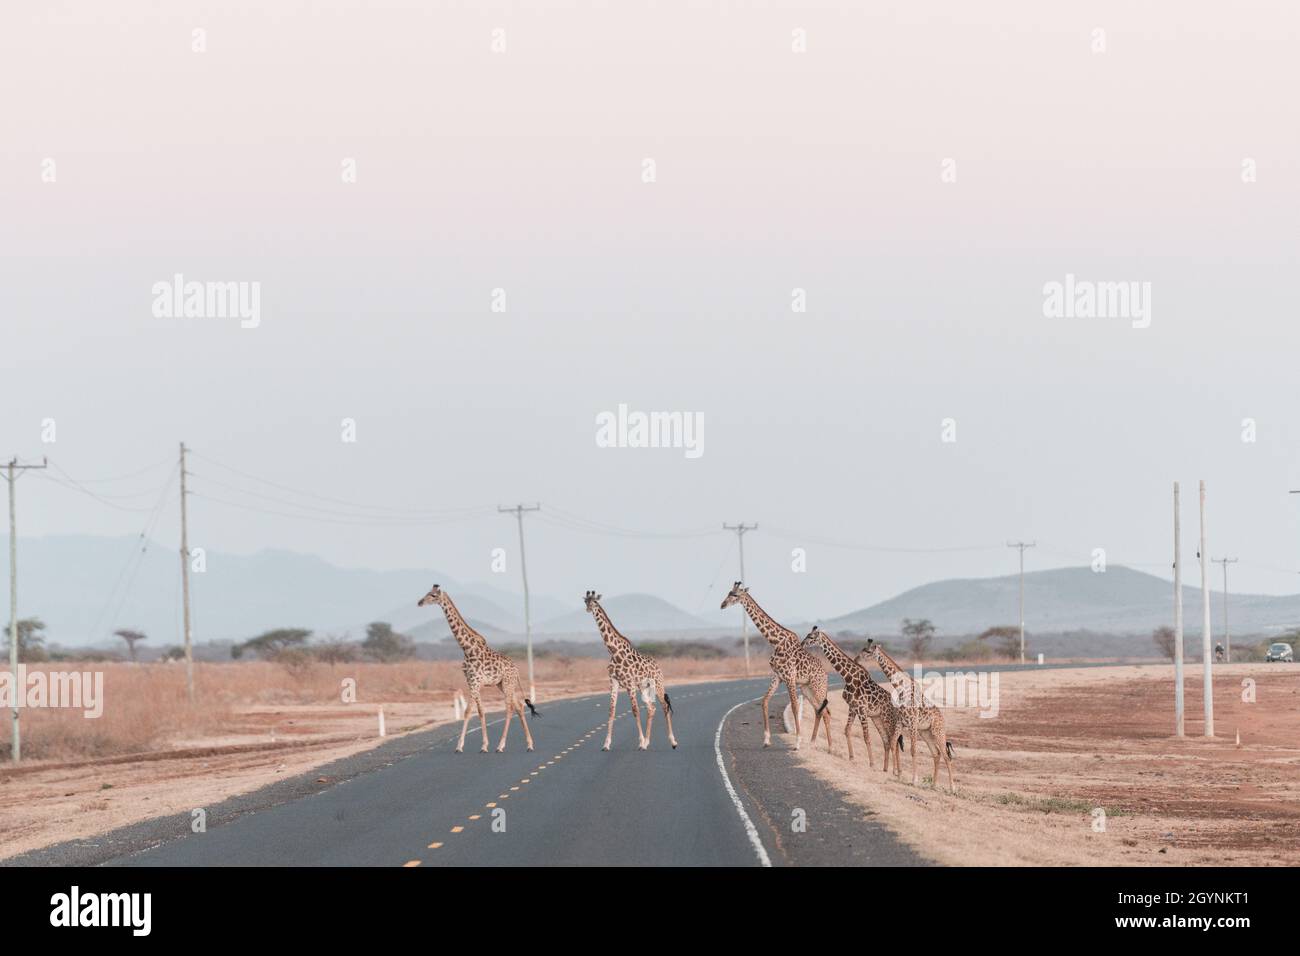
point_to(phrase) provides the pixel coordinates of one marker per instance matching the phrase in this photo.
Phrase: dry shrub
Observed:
(145, 706)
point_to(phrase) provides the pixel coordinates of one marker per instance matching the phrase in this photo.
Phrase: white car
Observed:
(1281, 651)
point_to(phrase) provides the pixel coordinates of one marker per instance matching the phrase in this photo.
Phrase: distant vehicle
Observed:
(1280, 651)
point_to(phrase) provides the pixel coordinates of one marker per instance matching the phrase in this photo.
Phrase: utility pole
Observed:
(1178, 621)
(1022, 546)
(740, 530)
(518, 512)
(1227, 637)
(185, 584)
(1207, 659)
(16, 750)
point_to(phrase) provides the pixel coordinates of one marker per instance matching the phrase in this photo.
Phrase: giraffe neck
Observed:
(468, 638)
(887, 663)
(771, 630)
(839, 660)
(614, 641)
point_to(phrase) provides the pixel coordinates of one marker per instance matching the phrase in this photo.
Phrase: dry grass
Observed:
(145, 707)
(1067, 742)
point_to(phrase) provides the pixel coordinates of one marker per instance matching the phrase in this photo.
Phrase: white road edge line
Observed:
(750, 830)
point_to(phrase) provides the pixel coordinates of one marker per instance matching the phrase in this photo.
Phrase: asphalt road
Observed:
(720, 799)
(567, 803)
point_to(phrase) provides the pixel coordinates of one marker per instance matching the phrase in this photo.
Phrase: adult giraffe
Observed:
(867, 701)
(792, 664)
(920, 719)
(483, 667)
(632, 671)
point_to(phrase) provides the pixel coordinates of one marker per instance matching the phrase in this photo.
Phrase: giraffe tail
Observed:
(825, 703)
(902, 750)
(668, 704)
(950, 753)
(531, 709)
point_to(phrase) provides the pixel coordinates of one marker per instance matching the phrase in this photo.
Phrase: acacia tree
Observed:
(386, 645)
(31, 640)
(1005, 638)
(131, 637)
(1164, 638)
(271, 644)
(918, 635)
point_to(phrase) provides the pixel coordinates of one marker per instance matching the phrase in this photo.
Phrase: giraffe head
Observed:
(433, 597)
(592, 600)
(814, 637)
(734, 596)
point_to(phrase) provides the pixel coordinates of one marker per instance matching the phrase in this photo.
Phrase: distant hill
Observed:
(86, 586)
(1119, 601)
(631, 614)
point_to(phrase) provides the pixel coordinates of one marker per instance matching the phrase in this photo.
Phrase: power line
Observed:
(853, 546)
(395, 512)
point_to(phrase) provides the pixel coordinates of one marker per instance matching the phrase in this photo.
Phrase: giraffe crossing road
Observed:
(567, 803)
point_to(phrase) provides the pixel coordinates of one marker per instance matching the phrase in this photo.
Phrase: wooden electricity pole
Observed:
(740, 530)
(1207, 651)
(1227, 637)
(185, 584)
(1178, 621)
(1022, 546)
(518, 512)
(16, 750)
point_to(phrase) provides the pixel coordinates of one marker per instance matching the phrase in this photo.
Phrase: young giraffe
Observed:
(483, 667)
(866, 700)
(792, 663)
(919, 718)
(633, 671)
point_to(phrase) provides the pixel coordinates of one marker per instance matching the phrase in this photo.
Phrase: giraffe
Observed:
(920, 719)
(483, 667)
(867, 700)
(632, 671)
(791, 663)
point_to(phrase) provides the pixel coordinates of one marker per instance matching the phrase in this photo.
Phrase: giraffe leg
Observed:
(771, 689)
(508, 694)
(482, 723)
(848, 736)
(523, 719)
(650, 713)
(473, 695)
(934, 752)
(866, 737)
(823, 708)
(913, 737)
(941, 744)
(636, 715)
(613, 699)
(662, 694)
(794, 706)
(888, 728)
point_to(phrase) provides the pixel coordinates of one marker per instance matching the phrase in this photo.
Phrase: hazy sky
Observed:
(522, 170)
